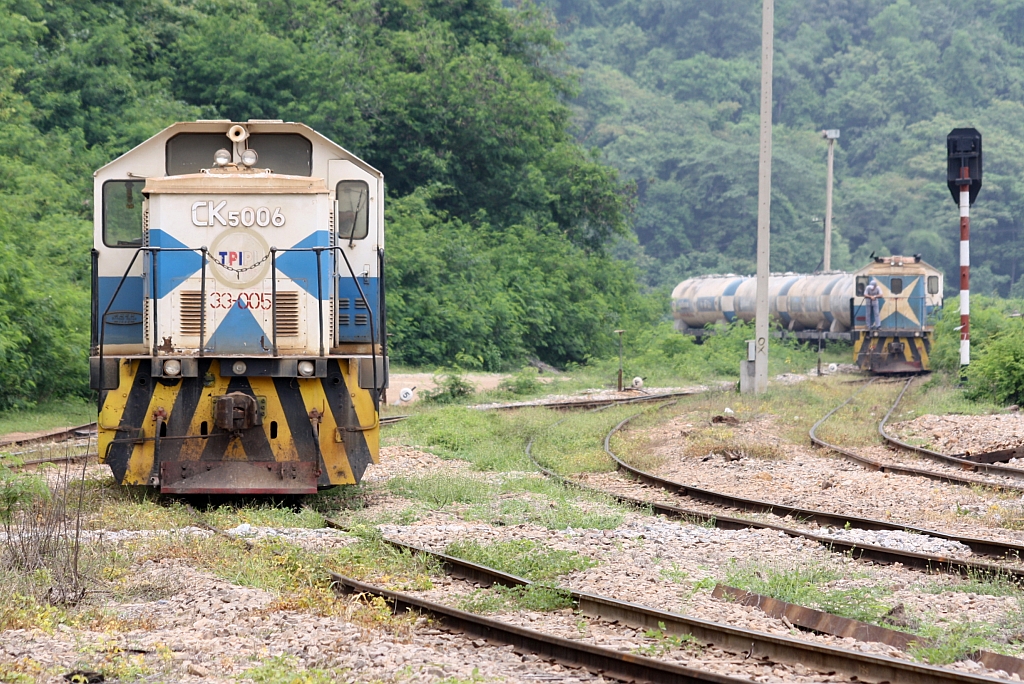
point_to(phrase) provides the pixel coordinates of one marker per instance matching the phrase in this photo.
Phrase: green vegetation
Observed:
(461, 105)
(500, 599)
(284, 669)
(522, 557)
(806, 586)
(48, 415)
(669, 93)
(660, 642)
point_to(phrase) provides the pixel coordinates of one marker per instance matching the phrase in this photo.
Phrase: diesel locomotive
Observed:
(238, 310)
(830, 306)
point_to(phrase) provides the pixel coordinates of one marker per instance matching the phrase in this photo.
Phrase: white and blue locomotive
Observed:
(238, 321)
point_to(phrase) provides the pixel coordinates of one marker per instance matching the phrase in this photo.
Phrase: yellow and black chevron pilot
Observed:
(238, 310)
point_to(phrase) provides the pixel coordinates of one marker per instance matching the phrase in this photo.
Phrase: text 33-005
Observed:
(243, 300)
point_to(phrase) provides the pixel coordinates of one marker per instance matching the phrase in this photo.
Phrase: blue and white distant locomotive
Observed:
(238, 337)
(830, 306)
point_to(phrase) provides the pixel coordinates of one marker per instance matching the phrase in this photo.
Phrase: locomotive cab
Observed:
(900, 340)
(238, 311)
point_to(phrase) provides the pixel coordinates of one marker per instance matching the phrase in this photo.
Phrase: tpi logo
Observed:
(243, 258)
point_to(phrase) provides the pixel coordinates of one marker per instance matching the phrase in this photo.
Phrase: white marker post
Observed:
(764, 200)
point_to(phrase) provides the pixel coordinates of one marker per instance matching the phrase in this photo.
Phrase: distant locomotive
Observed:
(830, 306)
(238, 319)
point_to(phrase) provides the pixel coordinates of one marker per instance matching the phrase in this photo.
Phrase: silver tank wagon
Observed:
(818, 302)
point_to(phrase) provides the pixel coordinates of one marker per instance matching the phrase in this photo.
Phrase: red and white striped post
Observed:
(965, 267)
(963, 177)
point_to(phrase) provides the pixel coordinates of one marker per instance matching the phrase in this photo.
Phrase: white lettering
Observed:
(215, 212)
(195, 216)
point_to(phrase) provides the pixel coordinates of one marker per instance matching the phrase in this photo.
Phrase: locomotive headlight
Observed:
(306, 368)
(238, 367)
(249, 157)
(222, 157)
(172, 367)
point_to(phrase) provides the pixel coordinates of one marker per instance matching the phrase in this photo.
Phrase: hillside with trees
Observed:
(670, 94)
(498, 219)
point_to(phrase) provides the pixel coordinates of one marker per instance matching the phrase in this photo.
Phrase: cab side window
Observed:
(862, 282)
(353, 210)
(933, 285)
(122, 213)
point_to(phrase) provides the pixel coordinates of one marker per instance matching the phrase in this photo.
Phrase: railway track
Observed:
(629, 667)
(895, 469)
(998, 551)
(985, 462)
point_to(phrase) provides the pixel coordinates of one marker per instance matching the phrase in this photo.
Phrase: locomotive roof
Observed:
(253, 126)
(892, 265)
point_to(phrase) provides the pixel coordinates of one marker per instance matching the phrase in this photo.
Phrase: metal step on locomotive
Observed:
(830, 306)
(238, 318)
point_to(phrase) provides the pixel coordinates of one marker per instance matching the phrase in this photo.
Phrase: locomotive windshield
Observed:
(286, 153)
(122, 213)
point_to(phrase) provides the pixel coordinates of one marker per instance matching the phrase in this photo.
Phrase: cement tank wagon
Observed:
(818, 302)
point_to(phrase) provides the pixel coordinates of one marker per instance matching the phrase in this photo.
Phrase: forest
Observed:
(669, 91)
(552, 169)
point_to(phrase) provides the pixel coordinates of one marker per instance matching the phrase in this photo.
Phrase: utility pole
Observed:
(831, 135)
(620, 357)
(764, 199)
(963, 177)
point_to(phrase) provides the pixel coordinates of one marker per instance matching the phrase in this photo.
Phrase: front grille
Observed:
(190, 313)
(344, 303)
(361, 319)
(287, 306)
(360, 303)
(344, 319)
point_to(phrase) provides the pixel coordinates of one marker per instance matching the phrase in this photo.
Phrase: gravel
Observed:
(956, 435)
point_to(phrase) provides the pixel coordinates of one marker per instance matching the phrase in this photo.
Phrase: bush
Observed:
(522, 383)
(998, 368)
(451, 388)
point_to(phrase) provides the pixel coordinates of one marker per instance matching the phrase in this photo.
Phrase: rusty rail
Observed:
(983, 462)
(747, 642)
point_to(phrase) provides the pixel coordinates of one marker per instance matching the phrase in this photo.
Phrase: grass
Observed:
(539, 598)
(49, 415)
(285, 669)
(538, 500)
(806, 585)
(575, 445)
(438, 491)
(522, 557)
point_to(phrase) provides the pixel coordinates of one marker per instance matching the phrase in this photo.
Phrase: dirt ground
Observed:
(423, 382)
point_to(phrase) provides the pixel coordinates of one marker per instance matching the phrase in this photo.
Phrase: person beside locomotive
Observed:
(873, 293)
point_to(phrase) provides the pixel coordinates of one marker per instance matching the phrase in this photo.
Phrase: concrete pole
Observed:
(764, 199)
(827, 261)
(965, 269)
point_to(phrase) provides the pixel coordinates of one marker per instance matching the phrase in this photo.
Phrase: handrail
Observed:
(204, 251)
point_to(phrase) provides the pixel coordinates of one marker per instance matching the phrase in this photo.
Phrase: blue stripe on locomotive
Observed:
(124, 320)
(350, 329)
(911, 304)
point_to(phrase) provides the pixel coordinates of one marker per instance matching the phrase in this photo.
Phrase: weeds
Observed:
(951, 643)
(438, 491)
(521, 384)
(452, 388)
(522, 557)
(500, 599)
(284, 669)
(41, 519)
(661, 642)
(804, 586)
